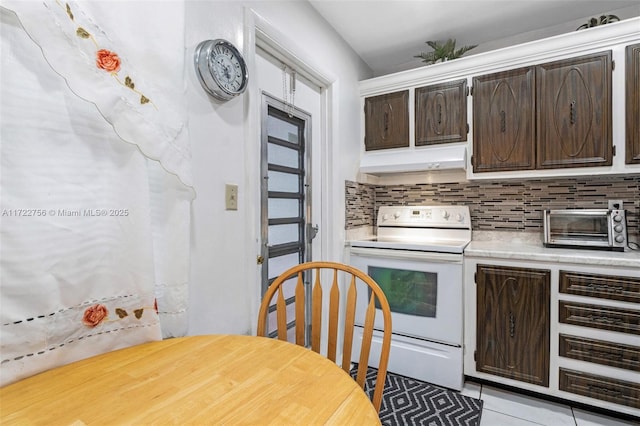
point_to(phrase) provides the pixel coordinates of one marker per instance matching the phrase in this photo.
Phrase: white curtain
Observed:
(95, 185)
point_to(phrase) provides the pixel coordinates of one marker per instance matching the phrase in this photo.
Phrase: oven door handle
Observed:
(407, 254)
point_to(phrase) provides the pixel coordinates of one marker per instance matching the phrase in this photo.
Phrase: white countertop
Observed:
(527, 246)
(521, 246)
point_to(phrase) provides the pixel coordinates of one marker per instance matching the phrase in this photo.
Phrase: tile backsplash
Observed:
(508, 205)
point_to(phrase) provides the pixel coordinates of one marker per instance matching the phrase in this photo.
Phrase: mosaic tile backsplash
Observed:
(509, 205)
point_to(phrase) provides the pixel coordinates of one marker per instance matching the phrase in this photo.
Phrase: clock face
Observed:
(227, 69)
(221, 69)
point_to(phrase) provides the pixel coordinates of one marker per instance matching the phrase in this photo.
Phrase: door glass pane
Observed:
(289, 287)
(282, 129)
(283, 207)
(289, 290)
(280, 234)
(283, 182)
(408, 292)
(278, 265)
(283, 156)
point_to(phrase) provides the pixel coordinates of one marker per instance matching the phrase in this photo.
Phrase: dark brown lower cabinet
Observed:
(600, 286)
(599, 387)
(596, 316)
(512, 335)
(600, 352)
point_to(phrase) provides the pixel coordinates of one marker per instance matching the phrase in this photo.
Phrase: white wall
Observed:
(224, 288)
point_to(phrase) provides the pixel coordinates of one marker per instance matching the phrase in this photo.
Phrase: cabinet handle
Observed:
(386, 123)
(603, 354)
(603, 390)
(439, 114)
(503, 121)
(605, 320)
(605, 287)
(512, 324)
(573, 112)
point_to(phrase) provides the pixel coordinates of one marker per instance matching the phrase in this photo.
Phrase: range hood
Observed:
(422, 159)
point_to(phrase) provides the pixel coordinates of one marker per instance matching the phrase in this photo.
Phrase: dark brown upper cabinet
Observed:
(386, 121)
(513, 311)
(441, 113)
(574, 112)
(633, 104)
(504, 121)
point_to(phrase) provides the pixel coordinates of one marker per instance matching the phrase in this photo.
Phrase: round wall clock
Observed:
(221, 69)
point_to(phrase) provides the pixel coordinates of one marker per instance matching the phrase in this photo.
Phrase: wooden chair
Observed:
(354, 277)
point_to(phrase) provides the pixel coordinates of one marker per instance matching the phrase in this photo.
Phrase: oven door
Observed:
(424, 291)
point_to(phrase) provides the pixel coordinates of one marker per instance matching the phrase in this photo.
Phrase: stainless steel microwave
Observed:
(602, 229)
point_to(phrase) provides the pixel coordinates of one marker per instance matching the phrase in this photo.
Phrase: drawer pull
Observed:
(603, 390)
(603, 354)
(605, 287)
(604, 320)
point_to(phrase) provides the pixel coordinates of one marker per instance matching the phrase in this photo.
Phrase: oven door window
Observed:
(408, 292)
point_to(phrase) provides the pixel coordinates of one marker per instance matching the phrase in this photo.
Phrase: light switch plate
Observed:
(231, 197)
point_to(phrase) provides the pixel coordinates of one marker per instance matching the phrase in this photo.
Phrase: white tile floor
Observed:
(504, 408)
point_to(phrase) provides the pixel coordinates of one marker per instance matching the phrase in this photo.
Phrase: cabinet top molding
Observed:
(548, 49)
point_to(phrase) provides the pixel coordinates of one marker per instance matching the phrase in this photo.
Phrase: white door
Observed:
(290, 142)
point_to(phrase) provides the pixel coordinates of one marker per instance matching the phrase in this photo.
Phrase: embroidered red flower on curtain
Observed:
(97, 314)
(107, 60)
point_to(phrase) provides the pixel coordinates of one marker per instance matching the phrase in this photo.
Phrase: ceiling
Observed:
(387, 34)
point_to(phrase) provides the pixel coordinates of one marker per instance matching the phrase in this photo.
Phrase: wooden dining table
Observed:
(198, 380)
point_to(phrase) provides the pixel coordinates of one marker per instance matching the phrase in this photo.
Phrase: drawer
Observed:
(603, 286)
(600, 352)
(599, 387)
(604, 317)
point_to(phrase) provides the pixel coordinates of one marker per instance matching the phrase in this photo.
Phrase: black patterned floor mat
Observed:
(407, 401)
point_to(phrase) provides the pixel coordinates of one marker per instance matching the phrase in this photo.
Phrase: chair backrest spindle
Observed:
(334, 306)
(316, 313)
(300, 317)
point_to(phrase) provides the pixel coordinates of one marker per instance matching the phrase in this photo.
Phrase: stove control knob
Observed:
(445, 215)
(617, 228)
(459, 217)
(397, 214)
(385, 217)
(619, 239)
(617, 218)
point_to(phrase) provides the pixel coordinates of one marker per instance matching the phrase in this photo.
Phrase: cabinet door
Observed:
(386, 121)
(512, 335)
(503, 121)
(574, 112)
(633, 104)
(441, 113)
